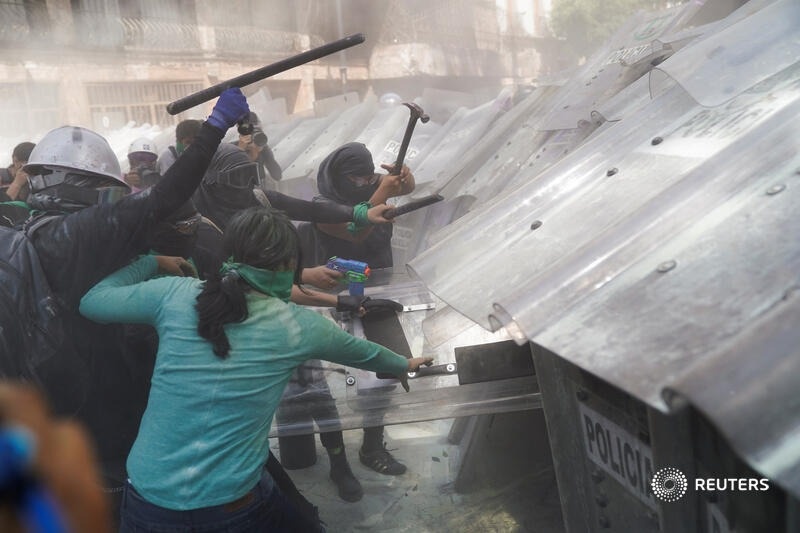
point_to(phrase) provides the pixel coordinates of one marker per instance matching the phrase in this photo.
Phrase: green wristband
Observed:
(360, 218)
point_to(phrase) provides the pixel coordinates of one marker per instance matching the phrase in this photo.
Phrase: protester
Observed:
(14, 180)
(347, 178)
(142, 156)
(77, 234)
(185, 133)
(229, 184)
(227, 347)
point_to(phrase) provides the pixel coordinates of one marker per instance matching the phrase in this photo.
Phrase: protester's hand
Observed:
(321, 277)
(175, 266)
(133, 179)
(391, 184)
(19, 182)
(375, 214)
(413, 365)
(364, 304)
(231, 107)
(355, 304)
(63, 461)
(402, 183)
(252, 150)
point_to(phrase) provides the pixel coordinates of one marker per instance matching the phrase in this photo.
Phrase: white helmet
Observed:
(143, 145)
(72, 168)
(75, 148)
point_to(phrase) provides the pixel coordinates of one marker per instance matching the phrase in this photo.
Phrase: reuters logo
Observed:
(669, 484)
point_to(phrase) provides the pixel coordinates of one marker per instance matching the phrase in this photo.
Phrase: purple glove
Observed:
(230, 108)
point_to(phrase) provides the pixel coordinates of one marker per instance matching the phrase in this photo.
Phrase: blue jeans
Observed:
(264, 508)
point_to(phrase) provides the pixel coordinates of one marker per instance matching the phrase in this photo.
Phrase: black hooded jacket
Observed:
(219, 202)
(351, 159)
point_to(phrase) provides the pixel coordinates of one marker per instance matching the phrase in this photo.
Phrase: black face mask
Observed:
(354, 193)
(70, 198)
(69, 192)
(169, 241)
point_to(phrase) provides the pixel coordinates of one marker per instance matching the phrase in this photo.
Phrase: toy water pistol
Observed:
(356, 273)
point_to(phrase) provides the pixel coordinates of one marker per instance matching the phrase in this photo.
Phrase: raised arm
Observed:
(122, 297)
(324, 211)
(93, 242)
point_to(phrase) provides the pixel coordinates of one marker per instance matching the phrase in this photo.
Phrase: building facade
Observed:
(105, 63)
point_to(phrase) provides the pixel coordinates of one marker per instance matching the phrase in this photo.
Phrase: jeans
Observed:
(264, 508)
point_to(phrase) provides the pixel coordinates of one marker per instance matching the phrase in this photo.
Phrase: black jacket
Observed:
(92, 376)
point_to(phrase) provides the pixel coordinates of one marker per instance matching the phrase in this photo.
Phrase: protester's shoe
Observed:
(382, 462)
(349, 488)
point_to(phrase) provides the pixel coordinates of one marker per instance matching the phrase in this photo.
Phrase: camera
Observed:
(259, 137)
(147, 175)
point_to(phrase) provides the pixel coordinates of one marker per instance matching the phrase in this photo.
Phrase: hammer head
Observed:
(417, 112)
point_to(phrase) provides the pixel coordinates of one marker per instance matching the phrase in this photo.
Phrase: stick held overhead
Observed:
(187, 102)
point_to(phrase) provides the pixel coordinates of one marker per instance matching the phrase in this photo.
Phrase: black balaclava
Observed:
(351, 159)
(217, 201)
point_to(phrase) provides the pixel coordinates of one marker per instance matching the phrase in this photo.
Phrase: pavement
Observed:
(509, 493)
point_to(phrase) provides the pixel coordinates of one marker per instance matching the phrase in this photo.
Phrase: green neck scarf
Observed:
(277, 284)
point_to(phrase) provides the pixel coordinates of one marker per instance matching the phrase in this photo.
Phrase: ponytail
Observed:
(259, 237)
(220, 302)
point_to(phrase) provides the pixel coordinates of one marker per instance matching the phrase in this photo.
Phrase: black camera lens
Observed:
(245, 128)
(260, 138)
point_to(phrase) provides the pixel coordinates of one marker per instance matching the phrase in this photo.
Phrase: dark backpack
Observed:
(13, 214)
(31, 324)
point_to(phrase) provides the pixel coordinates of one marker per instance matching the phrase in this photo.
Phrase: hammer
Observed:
(416, 114)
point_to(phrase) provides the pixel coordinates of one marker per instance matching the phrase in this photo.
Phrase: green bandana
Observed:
(277, 284)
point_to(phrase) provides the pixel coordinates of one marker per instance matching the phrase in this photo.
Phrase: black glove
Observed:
(381, 305)
(346, 302)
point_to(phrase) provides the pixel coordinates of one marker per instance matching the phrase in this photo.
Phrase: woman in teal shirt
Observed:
(227, 347)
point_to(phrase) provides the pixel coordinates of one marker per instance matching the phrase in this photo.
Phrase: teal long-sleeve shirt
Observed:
(203, 437)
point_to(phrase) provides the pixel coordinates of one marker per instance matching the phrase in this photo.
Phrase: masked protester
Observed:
(185, 133)
(347, 177)
(231, 184)
(227, 347)
(83, 226)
